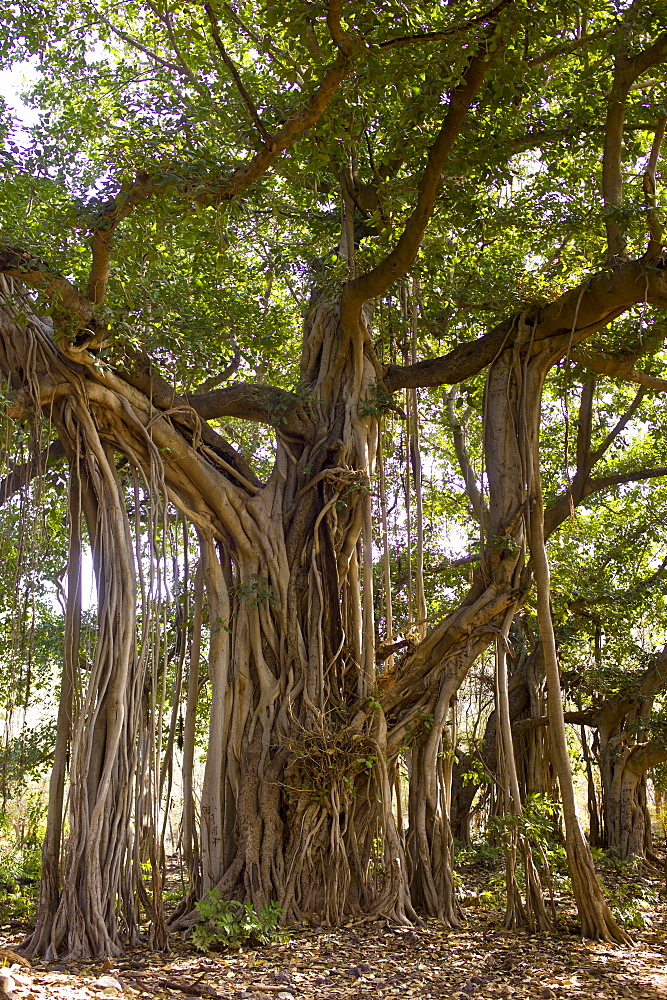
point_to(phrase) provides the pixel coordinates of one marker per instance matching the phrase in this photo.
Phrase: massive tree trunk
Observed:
(304, 739)
(627, 817)
(624, 758)
(297, 795)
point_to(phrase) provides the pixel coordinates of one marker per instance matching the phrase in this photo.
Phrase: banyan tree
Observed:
(377, 138)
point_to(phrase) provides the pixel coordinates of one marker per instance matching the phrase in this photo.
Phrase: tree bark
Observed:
(597, 920)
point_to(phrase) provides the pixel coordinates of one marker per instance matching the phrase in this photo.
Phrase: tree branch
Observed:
(447, 565)
(650, 199)
(585, 718)
(136, 44)
(581, 604)
(166, 20)
(202, 189)
(214, 192)
(254, 114)
(215, 380)
(618, 428)
(467, 471)
(622, 478)
(276, 53)
(646, 755)
(61, 293)
(263, 404)
(584, 426)
(577, 313)
(559, 510)
(23, 474)
(436, 36)
(617, 368)
(338, 35)
(136, 369)
(100, 245)
(612, 176)
(645, 60)
(626, 72)
(536, 139)
(567, 48)
(401, 258)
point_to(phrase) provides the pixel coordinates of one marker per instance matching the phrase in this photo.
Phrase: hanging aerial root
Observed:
(597, 920)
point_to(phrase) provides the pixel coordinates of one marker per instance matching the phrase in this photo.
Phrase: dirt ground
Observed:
(479, 961)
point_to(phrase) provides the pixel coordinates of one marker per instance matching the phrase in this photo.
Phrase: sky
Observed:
(12, 83)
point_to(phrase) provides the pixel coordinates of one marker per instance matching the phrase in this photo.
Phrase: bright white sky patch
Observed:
(13, 82)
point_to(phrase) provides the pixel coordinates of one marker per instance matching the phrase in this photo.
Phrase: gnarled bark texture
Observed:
(304, 739)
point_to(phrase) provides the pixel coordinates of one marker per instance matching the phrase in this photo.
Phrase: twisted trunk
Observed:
(626, 813)
(304, 740)
(296, 804)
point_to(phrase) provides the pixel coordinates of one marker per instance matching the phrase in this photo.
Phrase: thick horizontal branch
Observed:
(540, 137)
(644, 756)
(262, 404)
(559, 511)
(462, 363)
(611, 710)
(577, 313)
(623, 478)
(449, 564)
(618, 368)
(587, 717)
(61, 293)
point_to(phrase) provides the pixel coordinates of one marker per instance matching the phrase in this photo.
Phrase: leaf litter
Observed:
(360, 961)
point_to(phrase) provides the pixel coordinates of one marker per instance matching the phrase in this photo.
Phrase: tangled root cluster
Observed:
(328, 757)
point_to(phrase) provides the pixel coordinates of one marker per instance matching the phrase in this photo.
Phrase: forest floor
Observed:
(480, 960)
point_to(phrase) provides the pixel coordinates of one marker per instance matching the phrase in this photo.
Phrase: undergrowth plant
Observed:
(228, 925)
(21, 835)
(632, 895)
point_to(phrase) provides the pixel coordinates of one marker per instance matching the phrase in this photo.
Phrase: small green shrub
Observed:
(479, 853)
(225, 924)
(19, 878)
(633, 904)
(632, 897)
(494, 896)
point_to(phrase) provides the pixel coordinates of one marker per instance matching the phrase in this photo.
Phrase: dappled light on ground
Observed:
(481, 961)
